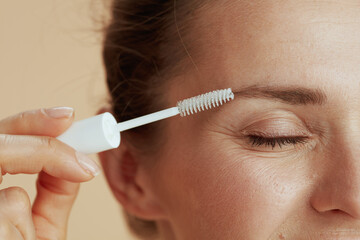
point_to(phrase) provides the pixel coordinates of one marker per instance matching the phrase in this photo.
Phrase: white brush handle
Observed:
(153, 117)
(102, 132)
(92, 135)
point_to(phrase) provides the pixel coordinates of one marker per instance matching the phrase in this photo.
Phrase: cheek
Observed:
(230, 193)
(248, 196)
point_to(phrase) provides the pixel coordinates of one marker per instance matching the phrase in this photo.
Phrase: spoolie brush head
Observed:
(204, 101)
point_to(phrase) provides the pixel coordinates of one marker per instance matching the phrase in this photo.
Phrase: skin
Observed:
(208, 180)
(28, 146)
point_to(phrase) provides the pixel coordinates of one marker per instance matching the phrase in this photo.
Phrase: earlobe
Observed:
(122, 172)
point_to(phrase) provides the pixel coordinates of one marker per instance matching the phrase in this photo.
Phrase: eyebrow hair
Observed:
(289, 95)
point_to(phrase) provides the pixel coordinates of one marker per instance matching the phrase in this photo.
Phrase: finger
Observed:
(33, 154)
(52, 206)
(16, 210)
(44, 122)
(9, 231)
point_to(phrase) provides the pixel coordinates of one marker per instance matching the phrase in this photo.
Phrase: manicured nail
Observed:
(87, 164)
(59, 112)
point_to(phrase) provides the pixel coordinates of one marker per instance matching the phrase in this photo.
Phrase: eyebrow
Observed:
(289, 95)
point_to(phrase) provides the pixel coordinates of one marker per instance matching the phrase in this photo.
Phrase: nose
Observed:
(338, 185)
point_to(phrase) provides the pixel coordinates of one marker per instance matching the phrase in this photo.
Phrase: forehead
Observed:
(313, 43)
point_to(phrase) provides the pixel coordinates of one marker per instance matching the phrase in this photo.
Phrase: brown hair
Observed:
(142, 46)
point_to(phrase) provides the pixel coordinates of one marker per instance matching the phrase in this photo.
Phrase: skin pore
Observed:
(209, 180)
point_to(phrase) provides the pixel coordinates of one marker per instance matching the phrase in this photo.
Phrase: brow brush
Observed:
(102, 132)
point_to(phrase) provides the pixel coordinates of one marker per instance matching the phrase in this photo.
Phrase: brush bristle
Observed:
(204, 101)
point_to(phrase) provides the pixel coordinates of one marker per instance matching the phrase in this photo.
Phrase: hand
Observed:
(27, 145)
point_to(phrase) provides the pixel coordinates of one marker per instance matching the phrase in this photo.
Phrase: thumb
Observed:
(52, 206)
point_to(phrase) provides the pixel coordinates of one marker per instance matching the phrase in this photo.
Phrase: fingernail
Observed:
(59, 112)
(87, 164)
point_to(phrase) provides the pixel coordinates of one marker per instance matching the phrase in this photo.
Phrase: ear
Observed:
(127, 180)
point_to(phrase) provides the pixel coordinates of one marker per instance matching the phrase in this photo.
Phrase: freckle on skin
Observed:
(281, 236)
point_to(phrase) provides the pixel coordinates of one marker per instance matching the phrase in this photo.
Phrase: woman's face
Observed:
(296, 67)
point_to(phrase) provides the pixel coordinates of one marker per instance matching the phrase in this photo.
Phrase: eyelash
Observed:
(281, 141)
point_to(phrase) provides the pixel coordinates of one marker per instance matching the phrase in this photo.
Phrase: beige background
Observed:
(50, 55)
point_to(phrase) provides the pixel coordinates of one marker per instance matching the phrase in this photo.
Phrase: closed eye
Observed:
(256, 140)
